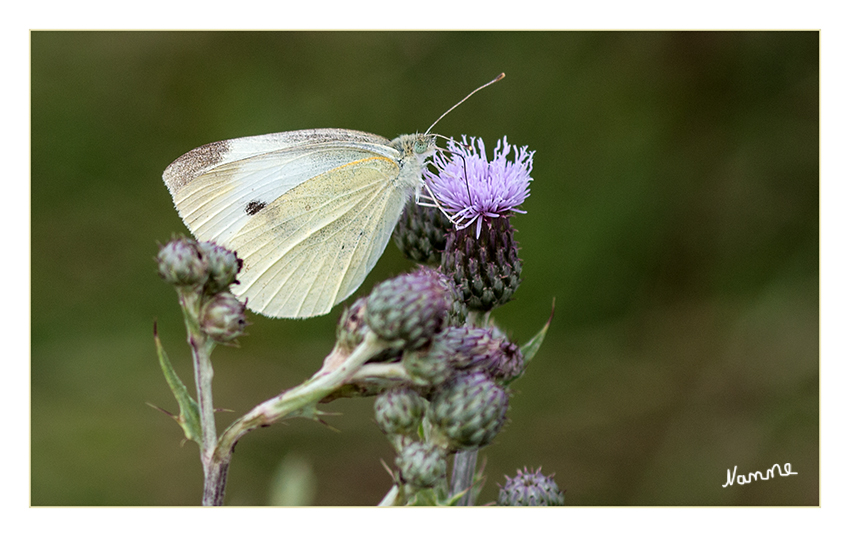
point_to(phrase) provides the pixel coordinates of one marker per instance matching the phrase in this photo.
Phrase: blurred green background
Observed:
(674, 217)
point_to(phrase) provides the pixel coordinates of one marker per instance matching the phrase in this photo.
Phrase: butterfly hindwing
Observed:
(312, 247)
(309, 212)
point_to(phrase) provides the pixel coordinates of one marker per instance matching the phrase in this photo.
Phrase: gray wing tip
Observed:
(189, 166)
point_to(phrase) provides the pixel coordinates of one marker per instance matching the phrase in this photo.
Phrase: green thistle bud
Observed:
(223, 266)
(486, 268)
(529, 488)
(429, 366)
(399, 411)
(182, 263)
(481, 349)
(468, 411)
(408, 309)
(421, 233)
(421, 465)
(223, 317)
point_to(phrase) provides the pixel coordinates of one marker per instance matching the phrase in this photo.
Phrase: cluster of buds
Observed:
(202, 273)
(455, 395)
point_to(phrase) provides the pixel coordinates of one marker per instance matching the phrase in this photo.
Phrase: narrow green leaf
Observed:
(190, 417)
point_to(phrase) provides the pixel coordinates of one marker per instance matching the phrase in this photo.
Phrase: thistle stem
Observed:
(202, 347)
(299, 401)
(463, 473)
(203, 380)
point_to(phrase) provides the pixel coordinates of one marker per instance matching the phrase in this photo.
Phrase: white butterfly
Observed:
(309, 212)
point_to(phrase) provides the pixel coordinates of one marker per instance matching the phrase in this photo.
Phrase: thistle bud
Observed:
(399, 411)
(421, 233)
(429, 366)
(529, 488)
(182, 263)
(421, 465)
(223, 317)
(409, 309)
(481, 349)
(468, 411)
(458, 310)
(351, 327)
(223, 266)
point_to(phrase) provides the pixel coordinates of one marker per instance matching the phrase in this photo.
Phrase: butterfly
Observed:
(309, 212)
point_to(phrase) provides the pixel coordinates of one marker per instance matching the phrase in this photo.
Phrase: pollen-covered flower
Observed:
(472, 189)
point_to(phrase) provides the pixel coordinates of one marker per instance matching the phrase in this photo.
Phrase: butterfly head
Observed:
(418, 147)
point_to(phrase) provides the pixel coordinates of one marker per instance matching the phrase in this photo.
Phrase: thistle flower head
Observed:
(472, 189)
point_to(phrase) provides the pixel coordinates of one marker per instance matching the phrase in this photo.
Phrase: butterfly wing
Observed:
(309, 212)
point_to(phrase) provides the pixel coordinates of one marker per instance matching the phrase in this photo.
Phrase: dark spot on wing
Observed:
(254, 207)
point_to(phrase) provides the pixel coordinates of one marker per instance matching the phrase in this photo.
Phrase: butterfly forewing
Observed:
(251, 172)
(309, 212)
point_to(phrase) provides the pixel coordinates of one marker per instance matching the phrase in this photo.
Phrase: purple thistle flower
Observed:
(471, 189)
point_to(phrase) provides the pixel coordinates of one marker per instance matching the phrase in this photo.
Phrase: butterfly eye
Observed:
(420, 146)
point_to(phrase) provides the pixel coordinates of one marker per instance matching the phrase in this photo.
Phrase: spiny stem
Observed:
(299, 401)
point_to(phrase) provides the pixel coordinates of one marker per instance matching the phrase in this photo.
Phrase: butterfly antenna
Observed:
(498, 78)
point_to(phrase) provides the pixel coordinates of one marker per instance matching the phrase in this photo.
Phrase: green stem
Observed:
(202, 347)
(299, 401)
